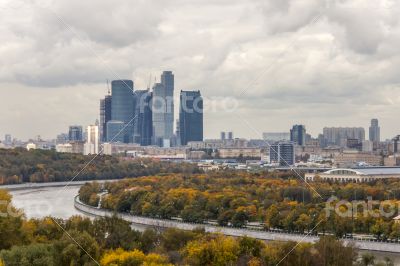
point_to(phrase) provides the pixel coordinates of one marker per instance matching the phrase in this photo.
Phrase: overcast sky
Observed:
(314, 62)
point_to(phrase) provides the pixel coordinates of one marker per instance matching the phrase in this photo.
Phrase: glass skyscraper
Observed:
(298, 135)
(75, 133)
(122, 106)
(105, 116)
(114, 131)
(190, 117)
(163, 110)
(143, 122)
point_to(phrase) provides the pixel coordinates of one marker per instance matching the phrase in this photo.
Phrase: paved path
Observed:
(258, 234)
(50, 184)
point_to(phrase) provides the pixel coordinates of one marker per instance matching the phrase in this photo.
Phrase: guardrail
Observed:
(371, 245)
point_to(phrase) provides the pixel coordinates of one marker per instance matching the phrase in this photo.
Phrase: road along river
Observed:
(56, 200)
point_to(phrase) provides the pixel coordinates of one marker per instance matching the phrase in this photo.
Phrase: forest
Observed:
(238, 198)
(19, 166)
(112, 242)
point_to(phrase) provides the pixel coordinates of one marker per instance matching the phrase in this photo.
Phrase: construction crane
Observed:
(395, 142)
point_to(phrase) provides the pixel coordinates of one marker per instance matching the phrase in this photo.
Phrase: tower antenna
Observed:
(108, 87)
(149, 85)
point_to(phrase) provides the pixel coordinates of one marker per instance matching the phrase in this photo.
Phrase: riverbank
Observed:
(26, 186)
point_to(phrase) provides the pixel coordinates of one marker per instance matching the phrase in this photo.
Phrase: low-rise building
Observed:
(239, 152)
(355, 174)
(352, 158)
(64, 148)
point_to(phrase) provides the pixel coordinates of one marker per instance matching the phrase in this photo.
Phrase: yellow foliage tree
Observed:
(121, 257)
(218, 251)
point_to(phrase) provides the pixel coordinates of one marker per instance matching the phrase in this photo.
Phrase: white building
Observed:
(31, 146)
(92, 142)
(367, 146)
(64, 148)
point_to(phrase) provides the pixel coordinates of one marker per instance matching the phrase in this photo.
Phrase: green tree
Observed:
(32, 255)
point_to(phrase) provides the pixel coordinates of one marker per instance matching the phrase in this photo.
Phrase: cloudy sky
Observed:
(262, 65)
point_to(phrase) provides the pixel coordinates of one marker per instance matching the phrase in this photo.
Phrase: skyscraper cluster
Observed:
(146, 117)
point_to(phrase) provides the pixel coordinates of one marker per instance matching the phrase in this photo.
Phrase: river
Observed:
(49, 201)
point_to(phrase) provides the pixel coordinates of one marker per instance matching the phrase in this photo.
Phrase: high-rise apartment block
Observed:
(223, 136)
(8, 140)
(92, 140)
(374, 131)
(338, 135)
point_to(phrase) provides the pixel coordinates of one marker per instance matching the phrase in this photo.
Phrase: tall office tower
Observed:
(92, 141)
(163, 110)
(75, 133)
(167, 80)
(298, 135)
(190, 117)
(223, 135)
(105, 116)
(178, 134)
(114, 131)
(8, 140)
(339, 135)
(374, 131)
(282, 153)
(122, 106)
(230, 135)
(143, 122)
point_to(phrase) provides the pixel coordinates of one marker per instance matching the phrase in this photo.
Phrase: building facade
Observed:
(338, 135)
(374, 131)
(115, 131)
(276, 136)
(163, 110)
(298, 135)
(122, 106)
(190, 117)
(143, 122)
(105, 116)
(75, 133)
(282, 153)
(92, 142)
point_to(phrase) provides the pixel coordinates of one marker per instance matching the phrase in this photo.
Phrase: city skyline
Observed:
(317, 68)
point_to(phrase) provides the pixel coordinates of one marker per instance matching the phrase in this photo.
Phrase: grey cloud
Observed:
(346, 62)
